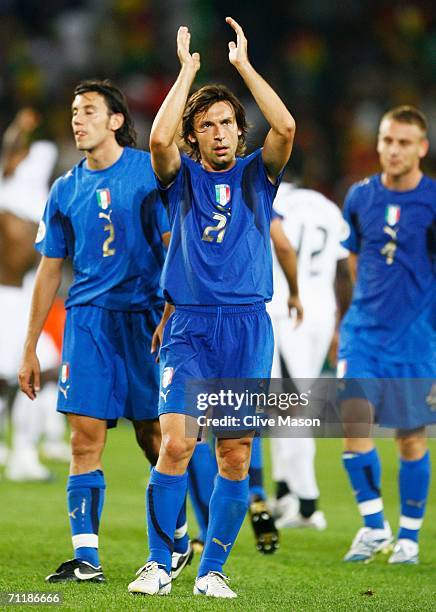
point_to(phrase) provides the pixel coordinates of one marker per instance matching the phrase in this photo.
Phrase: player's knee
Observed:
(176, 448)
(412, 446)
(83, 444)
(234, 460)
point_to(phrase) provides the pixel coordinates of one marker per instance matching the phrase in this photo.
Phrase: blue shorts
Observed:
(213, 342)
(107, 370)
(401, 393)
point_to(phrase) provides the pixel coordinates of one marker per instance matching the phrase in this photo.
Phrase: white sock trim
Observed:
(181, 531)
(371, 506)
(88, 540)
(407, 522)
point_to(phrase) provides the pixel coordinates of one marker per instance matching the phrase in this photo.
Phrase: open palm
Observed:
(238, 50)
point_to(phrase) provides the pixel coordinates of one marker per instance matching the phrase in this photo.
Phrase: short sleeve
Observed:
(50, 239)
(171, 195)
(350, 238)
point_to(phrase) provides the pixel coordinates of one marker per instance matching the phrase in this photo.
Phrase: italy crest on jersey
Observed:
(222, 194)
(103, 198)
(392, 214)
(65, 372)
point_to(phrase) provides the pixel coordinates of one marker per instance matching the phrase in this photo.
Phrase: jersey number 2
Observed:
(220, 227)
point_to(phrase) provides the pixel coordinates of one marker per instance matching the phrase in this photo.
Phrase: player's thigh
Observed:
(88, 383)
(359, 393)
(407, 395)
(185, 361)
(246, 348)
(141, 369)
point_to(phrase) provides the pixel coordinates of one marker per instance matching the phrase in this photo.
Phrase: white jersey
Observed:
(314, 226)
(25, 192)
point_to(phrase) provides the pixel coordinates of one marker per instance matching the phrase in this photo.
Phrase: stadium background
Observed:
(338, 65)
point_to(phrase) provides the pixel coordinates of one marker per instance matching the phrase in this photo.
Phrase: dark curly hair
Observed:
(116, 102)
(199, 102)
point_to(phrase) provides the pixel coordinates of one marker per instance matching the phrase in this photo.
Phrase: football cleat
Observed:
(152, 580)
(368, 542)
(76, 571)
(180, 560)
(316, 520)
(405, 552)
(265, 532)
(213, 584)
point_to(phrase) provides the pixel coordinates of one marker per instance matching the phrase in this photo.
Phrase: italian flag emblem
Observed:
(65, 372)
(104, 198)
(392, 215)
(222, 194)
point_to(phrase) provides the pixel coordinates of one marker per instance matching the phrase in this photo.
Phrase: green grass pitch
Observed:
(306, 574)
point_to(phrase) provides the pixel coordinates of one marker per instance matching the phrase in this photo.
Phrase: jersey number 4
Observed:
(220, 228)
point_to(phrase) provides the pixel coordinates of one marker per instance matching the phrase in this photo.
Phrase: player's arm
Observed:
(48, 279)
(16, 139)
(352, 266)
(156, 341)
(344, 291)
(165, 154)
(287, 258)
(278, 143)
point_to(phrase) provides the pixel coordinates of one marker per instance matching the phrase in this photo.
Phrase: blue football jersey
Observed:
(395, 293)
(220, 246)
(109, 222)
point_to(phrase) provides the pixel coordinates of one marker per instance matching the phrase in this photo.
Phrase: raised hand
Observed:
(183, 41)
(237, 51)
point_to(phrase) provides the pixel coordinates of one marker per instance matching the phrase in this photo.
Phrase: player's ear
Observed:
(423, 149)
(116, 121)
(192, 138)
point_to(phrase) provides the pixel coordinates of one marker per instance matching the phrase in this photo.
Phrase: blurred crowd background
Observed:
(338, 64)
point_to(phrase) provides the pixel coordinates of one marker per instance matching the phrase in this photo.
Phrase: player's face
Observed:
(401, 146)
(92, 123)
(217, 133)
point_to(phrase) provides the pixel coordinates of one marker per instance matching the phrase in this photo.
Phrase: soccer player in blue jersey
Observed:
(217, 274)
(106, 215)
(387, 332)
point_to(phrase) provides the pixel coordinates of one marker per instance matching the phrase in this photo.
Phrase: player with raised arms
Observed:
(218, 276)
(388, 333)
(106, 215)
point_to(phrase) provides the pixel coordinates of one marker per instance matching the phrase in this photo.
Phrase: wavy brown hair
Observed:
(116, 103)
(199, 103)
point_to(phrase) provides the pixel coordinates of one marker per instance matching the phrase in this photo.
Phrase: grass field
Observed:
(306, 574)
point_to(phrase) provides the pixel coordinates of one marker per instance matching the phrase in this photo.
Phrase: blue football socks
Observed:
(255, 472)
(364, 472)
(165, 497)
(414, 481)
(228, 506)
(85, 494)
(202, 471)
